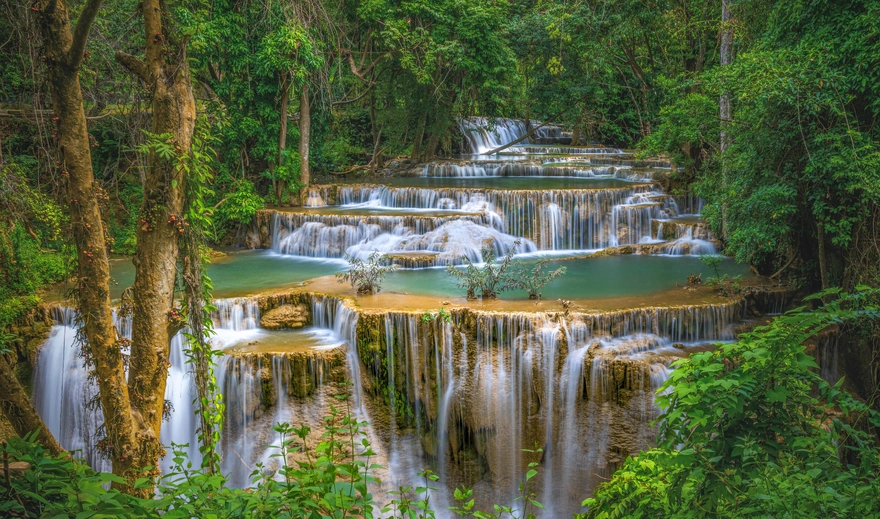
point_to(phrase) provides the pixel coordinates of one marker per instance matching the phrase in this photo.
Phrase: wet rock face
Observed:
(286, 316)
(257, 234)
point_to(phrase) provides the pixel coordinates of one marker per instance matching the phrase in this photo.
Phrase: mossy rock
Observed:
(286, 316)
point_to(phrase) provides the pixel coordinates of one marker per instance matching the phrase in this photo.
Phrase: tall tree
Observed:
(726, 59)
(164, 71)
(63, 49)
(132, 407)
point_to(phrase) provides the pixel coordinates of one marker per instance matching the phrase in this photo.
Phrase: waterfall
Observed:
(577, 219)
(484, 135)
(489, 385)
(332, 236)
(64, 396)
(482, 139)
(685, 243)
(497, 169)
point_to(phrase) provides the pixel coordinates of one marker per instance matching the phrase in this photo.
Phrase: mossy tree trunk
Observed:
(286, 79)
(305, 128)
(165, 72)
(64, 49)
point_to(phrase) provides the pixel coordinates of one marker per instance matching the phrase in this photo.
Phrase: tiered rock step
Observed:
(554, 213)
(529, 149)
(464, 169)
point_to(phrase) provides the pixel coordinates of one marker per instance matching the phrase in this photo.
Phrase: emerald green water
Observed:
(243, 272)
(249, 272)
(613, 276)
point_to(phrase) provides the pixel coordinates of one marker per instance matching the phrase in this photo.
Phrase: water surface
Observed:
(587, 278)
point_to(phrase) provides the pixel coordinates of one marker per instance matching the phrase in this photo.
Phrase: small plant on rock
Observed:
(728, 286)
(532, 279)
(442, 314)
(489, 277)
(365, 276)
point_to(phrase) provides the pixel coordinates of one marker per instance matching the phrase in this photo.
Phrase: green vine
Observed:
(196, 226)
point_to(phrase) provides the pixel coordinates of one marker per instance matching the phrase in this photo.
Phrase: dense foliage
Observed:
(793, 184)
(32, 251)
(751, 430)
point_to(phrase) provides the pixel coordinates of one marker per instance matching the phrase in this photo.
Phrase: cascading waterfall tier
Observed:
(254, 386)
(483, 134)
(477, 389)
(557, 150)
(331, 236)
(465, 394)
(554, 219)
(506, 169)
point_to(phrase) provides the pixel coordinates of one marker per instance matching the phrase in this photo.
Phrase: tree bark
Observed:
(20, 412)
(305, 127)
(165, 72)
(420, 134)
(63, 50)
(726, 59)
(823, 258)
(576, 133)
(282, 133)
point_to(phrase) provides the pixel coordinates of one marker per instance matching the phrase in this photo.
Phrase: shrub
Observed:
(533, 279)
(489, 277)
(241, 204)
(713, 261)
(333, 480)
(365, 276)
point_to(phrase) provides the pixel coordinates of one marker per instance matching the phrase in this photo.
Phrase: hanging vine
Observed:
(195, 228)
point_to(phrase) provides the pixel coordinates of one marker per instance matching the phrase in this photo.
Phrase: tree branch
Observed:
(354, 68)
(134, 65)
(81, 32)
(358, 98)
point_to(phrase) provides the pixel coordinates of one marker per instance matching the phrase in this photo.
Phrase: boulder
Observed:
(285, 316)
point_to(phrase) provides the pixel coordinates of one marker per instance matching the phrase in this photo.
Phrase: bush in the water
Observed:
(493, 276)
(489, 277)
(533, 279)
(713, 261)
(365, 276)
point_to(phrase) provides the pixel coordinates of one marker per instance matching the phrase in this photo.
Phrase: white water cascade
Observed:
(485, 135)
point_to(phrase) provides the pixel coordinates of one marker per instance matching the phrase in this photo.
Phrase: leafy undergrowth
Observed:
(750, 430)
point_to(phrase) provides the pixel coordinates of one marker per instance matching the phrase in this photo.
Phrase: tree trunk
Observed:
(282, 133)
(174, 113)
(63, 50)
(726, 59)
(377, 162)
(420, 134)
(823, 258)
(430, 150)
(576, 134)
(20, 412)
(305, 127)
